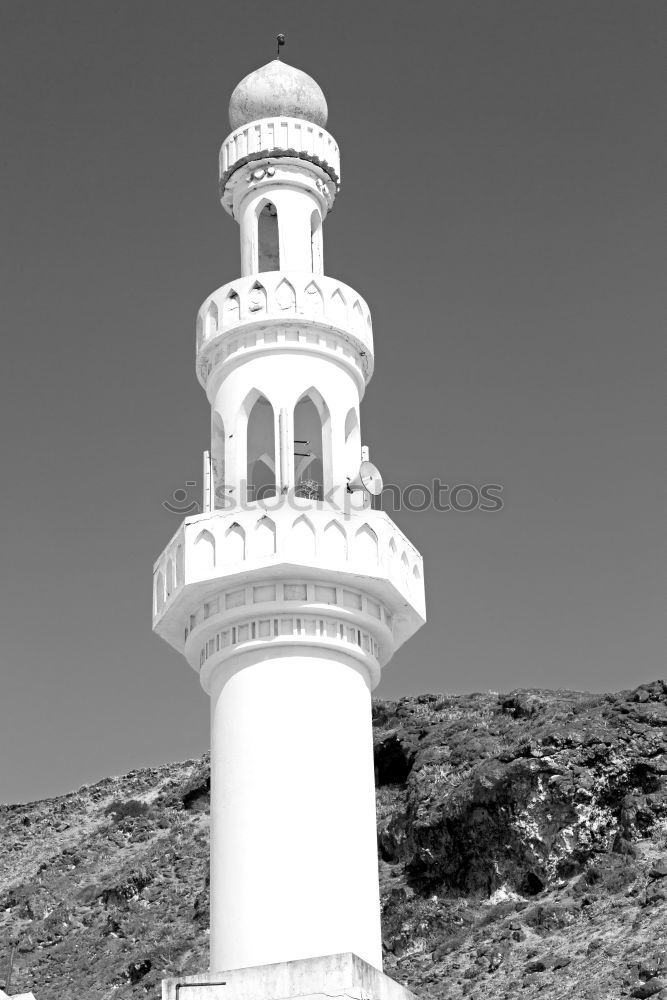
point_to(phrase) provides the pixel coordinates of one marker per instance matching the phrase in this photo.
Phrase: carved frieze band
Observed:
(283, 593)
(263, 307)
(279, 137)
(301, 627)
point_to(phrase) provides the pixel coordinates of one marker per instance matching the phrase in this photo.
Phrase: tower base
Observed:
(343, 975)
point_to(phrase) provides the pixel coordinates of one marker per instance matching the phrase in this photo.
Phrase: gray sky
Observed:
(502, 212)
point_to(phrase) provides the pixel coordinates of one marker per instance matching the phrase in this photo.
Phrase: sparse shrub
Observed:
(137, 970)
(122, 810)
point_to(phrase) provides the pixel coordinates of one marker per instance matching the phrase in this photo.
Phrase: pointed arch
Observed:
(257, 299)
(366, 546)
(268, 237)
(301, 539)
(285, 296)
(393, 557)
(314, 300)
(169, 578)
(338, 307)
(405, 566)
(415, 572)
(334, 543)
(204, 553)
(357, 315)
(179, 565)
(231, 308)
(211, 321)
(312, 445)
(264, 540)
(317, 265)
(159, 593)
(256, 427)
(233, 544)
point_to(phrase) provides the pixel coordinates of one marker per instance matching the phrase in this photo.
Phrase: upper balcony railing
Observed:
(273, 297)
(280, 137)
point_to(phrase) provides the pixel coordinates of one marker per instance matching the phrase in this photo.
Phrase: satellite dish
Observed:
(368, 478)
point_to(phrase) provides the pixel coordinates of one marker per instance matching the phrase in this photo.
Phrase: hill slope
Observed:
(522, 842)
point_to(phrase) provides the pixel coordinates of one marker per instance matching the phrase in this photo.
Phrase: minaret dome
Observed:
(277, 90)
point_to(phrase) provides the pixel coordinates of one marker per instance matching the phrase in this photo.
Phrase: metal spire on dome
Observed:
(281, 41)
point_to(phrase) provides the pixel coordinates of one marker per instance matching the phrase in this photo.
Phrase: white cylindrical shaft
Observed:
(293, 833)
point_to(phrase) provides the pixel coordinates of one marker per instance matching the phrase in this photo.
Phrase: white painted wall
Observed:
(293, 839)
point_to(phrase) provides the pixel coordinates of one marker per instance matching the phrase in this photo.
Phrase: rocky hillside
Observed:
(522, 842)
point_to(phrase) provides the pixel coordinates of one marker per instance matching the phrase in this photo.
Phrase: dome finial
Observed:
(281, 41)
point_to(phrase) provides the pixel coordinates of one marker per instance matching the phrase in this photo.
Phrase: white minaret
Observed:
(288, 594)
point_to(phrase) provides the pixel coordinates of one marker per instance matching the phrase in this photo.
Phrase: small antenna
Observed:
(281, 41)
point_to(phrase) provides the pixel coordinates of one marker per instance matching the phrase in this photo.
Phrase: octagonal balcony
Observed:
(361, 561)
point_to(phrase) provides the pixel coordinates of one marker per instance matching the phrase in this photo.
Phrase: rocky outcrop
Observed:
(522, 838)
(522, 841)
(520, 792)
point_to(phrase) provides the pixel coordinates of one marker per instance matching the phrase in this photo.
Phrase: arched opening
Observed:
(312, 452)
(261, 458)
(179, 565)
(264, 543)
(316, 242)
(393, 556)
(211, 321)
(204, 553)
(159, 593)
(334, 542)
(257, 299)
(366, 546)
(231, 308)
(285, 296)
(218, 460)
(170, 578)
(313, 299)
(301, 539)
(233, 544)
(338, 307)
(268, 242)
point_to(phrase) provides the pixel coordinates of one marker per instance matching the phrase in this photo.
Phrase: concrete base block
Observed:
(330, 976)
